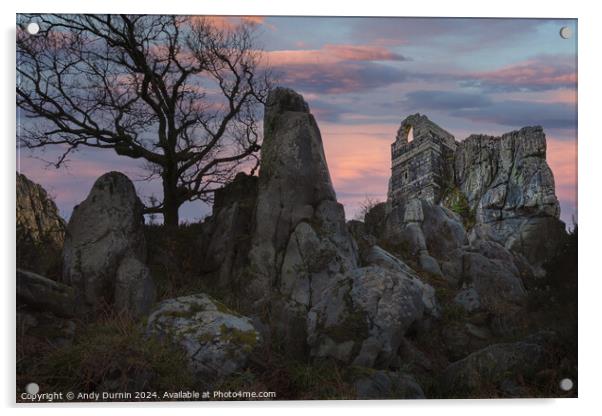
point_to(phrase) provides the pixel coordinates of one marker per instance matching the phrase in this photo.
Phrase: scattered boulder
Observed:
(429, 265)
(377, 256)
(39, 329)
(105, 249)
(443, 231)
(217, 341)
(134, 287)
(478, 331)
(40, 229)
(387, 385)
(361, 317)
(46, 295)
(46, 312)
(496, 282)
(491, 366)
(380, 257)
(432, 238)
(426, 232)
(414, 359)
(468, 299)
(461, 338)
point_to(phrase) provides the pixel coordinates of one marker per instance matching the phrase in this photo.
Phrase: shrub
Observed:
(455, 200)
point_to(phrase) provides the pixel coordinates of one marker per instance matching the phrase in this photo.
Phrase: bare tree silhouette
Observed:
(180, 93)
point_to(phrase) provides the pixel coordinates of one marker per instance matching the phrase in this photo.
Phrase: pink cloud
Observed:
(337, 77)
(562, 158)
(568, 96)
(362, 53)
(543, 72)
(229, 22)
(359, 161)
(335, 68)
(331, 54)
(563, 96)
(355, 150)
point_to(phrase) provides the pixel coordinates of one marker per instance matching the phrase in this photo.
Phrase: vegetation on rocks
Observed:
(455, 200)
(111, 354)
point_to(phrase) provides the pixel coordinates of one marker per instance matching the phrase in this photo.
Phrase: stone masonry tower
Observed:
(421, 164)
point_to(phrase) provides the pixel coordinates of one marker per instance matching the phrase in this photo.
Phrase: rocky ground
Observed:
(275, 291)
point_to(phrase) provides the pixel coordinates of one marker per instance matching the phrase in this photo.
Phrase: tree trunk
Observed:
(171, 203)
(170, 214)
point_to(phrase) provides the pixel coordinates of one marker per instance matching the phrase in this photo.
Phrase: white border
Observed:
(590, 153)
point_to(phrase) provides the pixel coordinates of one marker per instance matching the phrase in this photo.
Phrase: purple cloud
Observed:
(546, 72)
(523, 113)
(445, 100)
(338, 78)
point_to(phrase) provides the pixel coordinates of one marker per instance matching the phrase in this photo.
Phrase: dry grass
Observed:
(110, 354)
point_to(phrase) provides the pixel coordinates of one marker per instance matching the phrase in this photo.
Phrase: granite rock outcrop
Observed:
(105, 250)
(510, 188)
(40, 229)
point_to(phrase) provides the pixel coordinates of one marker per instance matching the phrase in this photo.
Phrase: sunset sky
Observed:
(362, 76)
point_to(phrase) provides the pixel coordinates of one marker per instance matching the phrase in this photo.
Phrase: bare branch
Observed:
(176, 92)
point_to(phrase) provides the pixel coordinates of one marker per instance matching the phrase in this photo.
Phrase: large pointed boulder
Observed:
(105, 250)
(294, 183)
(300, 239)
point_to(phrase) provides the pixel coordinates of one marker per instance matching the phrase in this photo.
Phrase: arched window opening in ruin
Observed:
(411, 135)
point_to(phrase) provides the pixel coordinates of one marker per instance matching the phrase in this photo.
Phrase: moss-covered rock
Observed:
(217, 341)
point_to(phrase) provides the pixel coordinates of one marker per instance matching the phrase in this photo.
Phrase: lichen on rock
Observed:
(217, 342)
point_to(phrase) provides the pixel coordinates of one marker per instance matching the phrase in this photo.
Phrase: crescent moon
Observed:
(565, 32)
